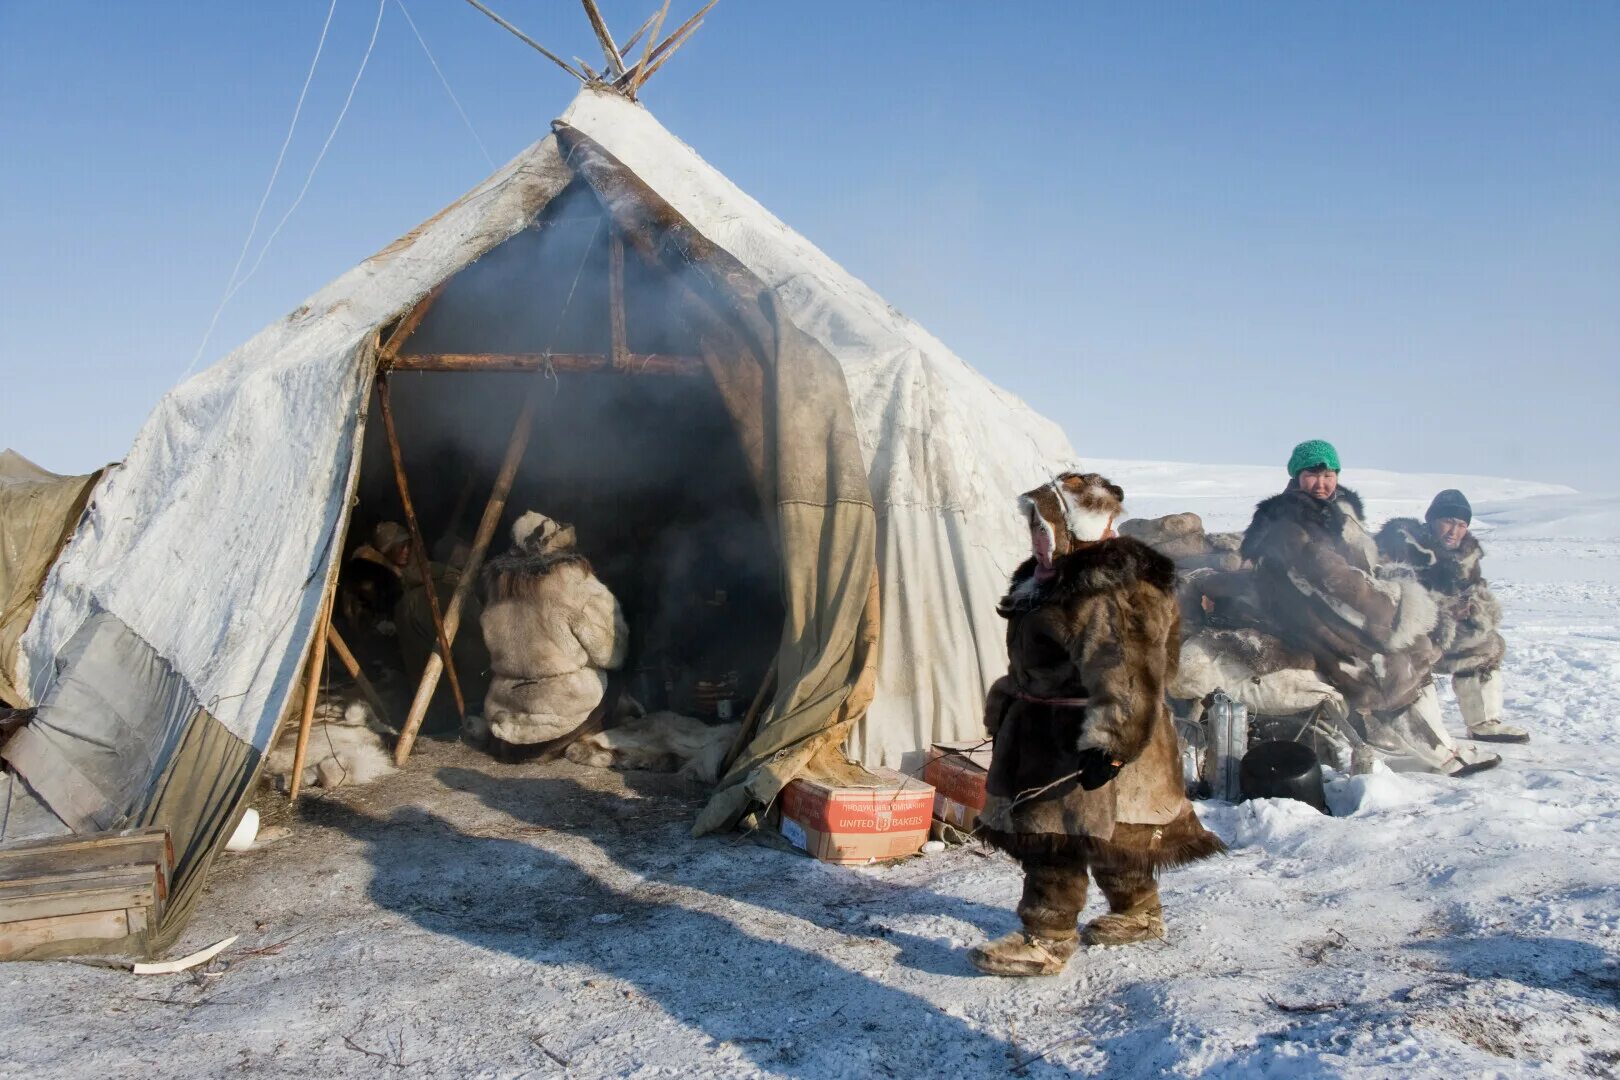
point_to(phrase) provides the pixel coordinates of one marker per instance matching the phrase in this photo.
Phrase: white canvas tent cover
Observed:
(198, 570)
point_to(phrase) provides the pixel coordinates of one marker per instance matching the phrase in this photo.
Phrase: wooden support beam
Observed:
(609, 50)
(407, 325)
(312, 693)
(570, 363)
(641, 71)
(642, 29)
(637, 79)
(418, 544)
(621, 347)
(356, 672)
(529, 41)
(515, 447)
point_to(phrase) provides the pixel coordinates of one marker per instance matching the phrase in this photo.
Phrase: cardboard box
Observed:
(957, 775)
(857, 824)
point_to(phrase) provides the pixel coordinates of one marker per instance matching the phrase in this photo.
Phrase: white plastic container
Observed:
(1226, 724)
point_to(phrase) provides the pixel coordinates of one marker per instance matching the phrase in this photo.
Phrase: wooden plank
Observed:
(616, 328)
(73, 894)
(562, 363)
(101, 851)
(18, 939)
(418, 544)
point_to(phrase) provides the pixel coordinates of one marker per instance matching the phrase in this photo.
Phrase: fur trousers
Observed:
(1055, 891)
(1479, 696)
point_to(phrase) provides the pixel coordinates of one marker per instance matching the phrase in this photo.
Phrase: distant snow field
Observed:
(470, 918)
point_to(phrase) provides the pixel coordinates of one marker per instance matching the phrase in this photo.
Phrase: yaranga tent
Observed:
(606, 289)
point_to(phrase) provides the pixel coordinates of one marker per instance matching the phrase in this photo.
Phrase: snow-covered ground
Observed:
(470, 918)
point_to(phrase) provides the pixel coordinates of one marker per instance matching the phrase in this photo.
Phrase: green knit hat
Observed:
(1313, 454)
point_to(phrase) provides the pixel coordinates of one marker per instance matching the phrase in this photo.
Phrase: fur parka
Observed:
(553, 630)
(1469, 631)
(1323, 592)
(1103, 626)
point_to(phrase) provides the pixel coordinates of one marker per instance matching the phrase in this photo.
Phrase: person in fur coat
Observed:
(1085, 774)
(1369, 627)
(1447, 559)
(553, 631)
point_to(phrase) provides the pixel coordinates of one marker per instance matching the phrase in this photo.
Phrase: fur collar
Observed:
(1293, 505)
(510, 575)
(1107, 565)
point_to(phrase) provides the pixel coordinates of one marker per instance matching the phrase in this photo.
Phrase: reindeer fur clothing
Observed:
(553, 631)
(1323, 592)
(1469, 632)
(1102, 624)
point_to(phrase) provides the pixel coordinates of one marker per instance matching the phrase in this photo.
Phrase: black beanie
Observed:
(1450, 503)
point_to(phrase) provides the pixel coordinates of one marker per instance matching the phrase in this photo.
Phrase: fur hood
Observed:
(518, 572)
(1105, 566)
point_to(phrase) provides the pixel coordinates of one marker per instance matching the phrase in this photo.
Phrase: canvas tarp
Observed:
(790, 406)
(38, 512)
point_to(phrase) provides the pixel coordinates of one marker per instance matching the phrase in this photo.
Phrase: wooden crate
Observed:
(97, 893)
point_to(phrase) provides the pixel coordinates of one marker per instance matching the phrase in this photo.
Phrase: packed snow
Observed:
(468, 918)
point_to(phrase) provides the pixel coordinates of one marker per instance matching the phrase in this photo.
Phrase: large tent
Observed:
(171, 633)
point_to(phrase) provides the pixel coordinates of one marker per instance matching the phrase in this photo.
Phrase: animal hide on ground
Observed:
(345, 749)
(659, 742)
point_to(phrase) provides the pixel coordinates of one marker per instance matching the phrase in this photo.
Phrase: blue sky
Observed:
(1191, 232)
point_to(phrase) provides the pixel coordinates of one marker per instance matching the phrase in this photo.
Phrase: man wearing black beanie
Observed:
(1447, 558)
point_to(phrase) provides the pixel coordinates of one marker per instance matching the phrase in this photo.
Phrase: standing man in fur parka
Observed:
(554, 631)
(1367, 626)
(1086, 772)
(1447, 559)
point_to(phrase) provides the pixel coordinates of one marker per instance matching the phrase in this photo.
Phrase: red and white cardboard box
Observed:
(958, 775)
(857, 824)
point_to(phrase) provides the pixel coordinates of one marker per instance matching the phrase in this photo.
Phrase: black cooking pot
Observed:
(1283, 770)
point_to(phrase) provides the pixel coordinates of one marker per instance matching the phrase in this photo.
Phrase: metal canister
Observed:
(1226, 723)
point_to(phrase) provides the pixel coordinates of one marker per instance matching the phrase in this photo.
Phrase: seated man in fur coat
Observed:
(1446, 557)
(1367, 626)
(553, 630)
(1085, 773)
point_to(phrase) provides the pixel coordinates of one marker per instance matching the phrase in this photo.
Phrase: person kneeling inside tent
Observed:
(413, 623)
(1085, 773)
(554, 631)
(1447, 559)
(1322, 590)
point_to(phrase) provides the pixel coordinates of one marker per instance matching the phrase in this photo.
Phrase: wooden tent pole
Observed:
(418, 545)
(312, 693)
(609, 49)
(486, 532)
(352, 666)
(617, 331)
(646, 53)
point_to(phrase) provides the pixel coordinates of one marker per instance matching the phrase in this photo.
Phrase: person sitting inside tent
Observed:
(1085, 773)
(1447, 559)
(1323, 591)
(554, 631)
(413, 623)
